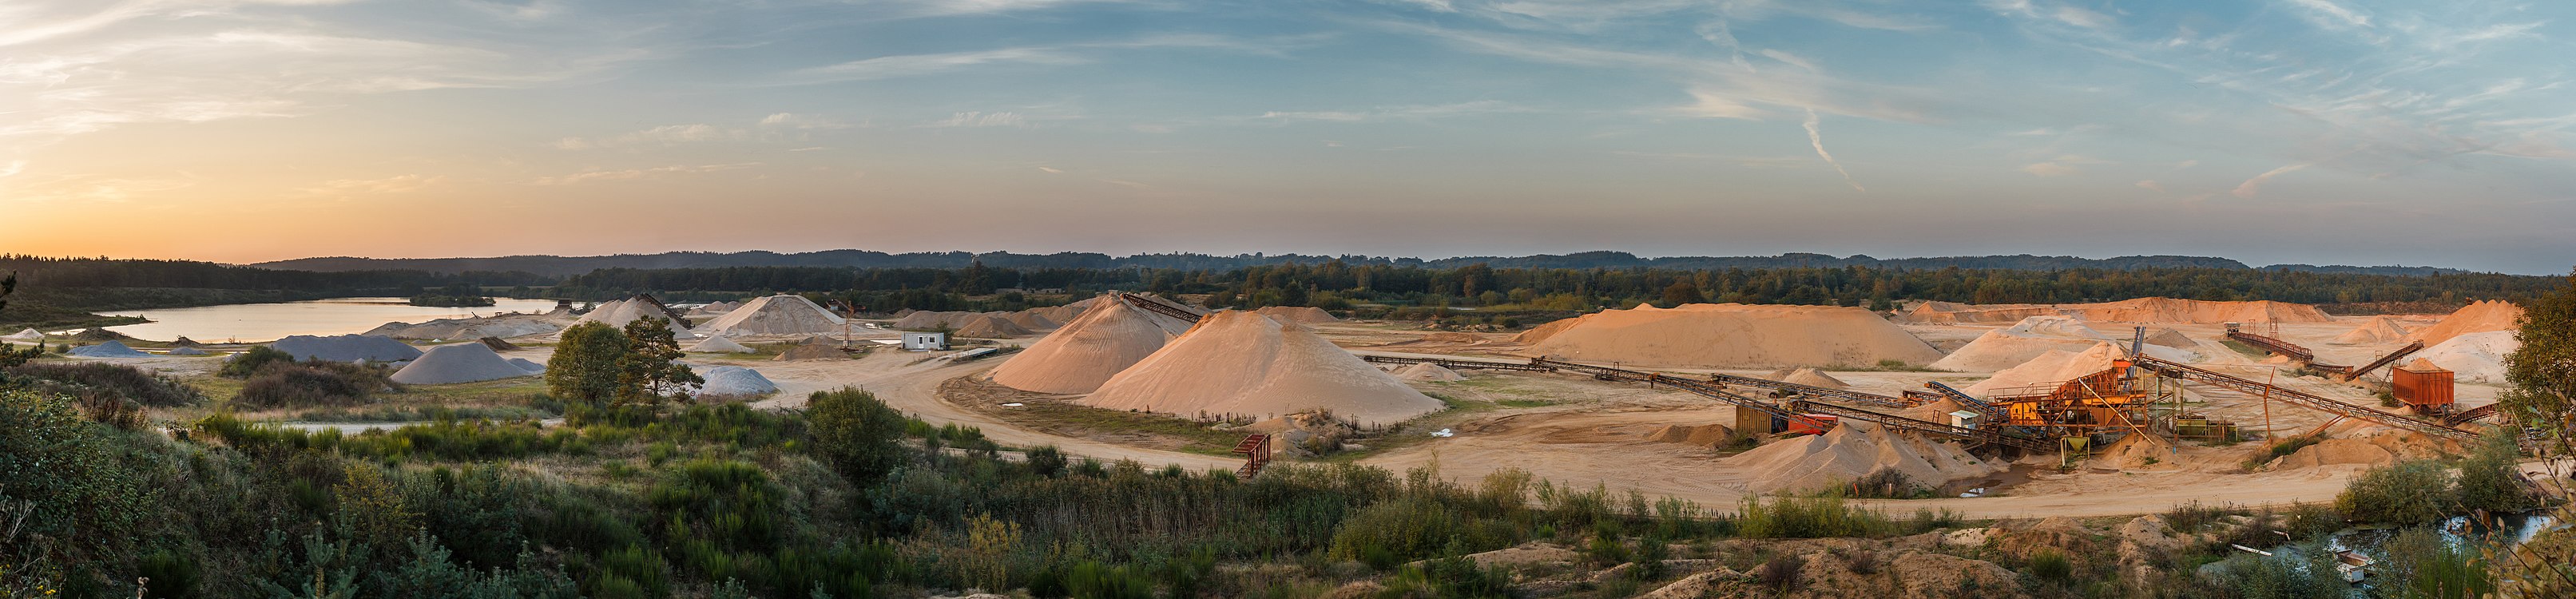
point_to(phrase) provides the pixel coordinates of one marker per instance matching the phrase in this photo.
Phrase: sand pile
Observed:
(188, 351)
(715, 309)
(2010, 346)
(2134, 451)
(1033, 321)
(775, 315)
(184, 341)
(620, 312)
(497, 344)
(719, 345)
(346, 348)
(457, 363)
(111, 349)
(1298, 314)
(811, 352)
(2474, 357)
(1808, 376)
(1077, 358)
(506, 325)
(26, 335)
(1066, 313)
(2050, 368)
(528, 365)
(2145, 309)
(1429, 373)
(2172, 338)
(733, 381)
(1729, 335)
(2477, 317)
(1241, 363)
(2377, 330)
(98, 335)
(1852, 450)
(990, 326)
(1704, 435)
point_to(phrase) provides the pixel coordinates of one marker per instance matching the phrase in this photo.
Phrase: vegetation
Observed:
(314, 383)
(67, 290)
(585, 367)
(457, 295)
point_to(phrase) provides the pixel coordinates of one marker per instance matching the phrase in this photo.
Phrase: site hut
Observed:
(1965, 419)
(925, 341)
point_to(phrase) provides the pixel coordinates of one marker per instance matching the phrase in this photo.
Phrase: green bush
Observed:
(313, 383)
(1806, 517)
(2051, 565)
(1394, 532)
(2408, 492)
(244, 364)
(82, 379)
(856, 434)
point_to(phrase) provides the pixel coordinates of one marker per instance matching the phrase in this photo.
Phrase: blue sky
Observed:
(2320, 131)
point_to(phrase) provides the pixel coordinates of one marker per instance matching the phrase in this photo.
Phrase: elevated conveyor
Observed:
(1922, 426)
(2311, 401)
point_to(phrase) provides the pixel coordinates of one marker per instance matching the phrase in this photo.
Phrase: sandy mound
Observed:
(1241, 363)
(719, 345)
(1852, 450)
(457, 363)
(1298, 314)
(188, 351)
(506, 325)
(926, 320)
(1813, 378)
(1066, 313)
(111, 349)
(775, 315)
(26, 335)
(2053, 367)
(2010, 346)
(528, 365)
(98, 335)
(620, 312)
(989, 326)
(183, 341)
(346, 348)
(715, 309)
(733, 381)
(1705, 435)
(1724, 335)
(2379, 329)
(1429, 372)
(2135, 451)
(2145, 309)
(2478, 317)
(2474, 357)
(497, 344)
(1033, 321)
(1077, 358)
(2172, 338)
(811, 352)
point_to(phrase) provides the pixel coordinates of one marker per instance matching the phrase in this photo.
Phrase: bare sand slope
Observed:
(620, 312)
(1242, 363)
(2054, 366)
(2145, 309)
(2379, 329)
(1081, 355)
(1852, 450)
(2477, 317)
(775, 315)
(1730, 335)
(2010, 346)
(1298, 314)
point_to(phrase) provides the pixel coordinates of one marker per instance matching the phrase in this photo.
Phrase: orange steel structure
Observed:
(2098, 402)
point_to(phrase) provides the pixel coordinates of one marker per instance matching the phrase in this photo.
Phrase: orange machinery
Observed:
(2422, 386)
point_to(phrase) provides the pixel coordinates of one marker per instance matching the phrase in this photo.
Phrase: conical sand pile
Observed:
(507, 325)
(26, 335)
(346, 348)
(1066, 313)
(2010, 346)
(1077, 358)
(2479, 317)
(2474, 357)
(620, 312)
(497, 344)
(2053, 367)
(2172, 338)
(1729, 335)
(457, 363)
(1814, 378)
(988, 326)
(775, 315)
(1241, 363)
(2379, 329)
(715, 309)
(1429, 373)
(1032, 320)
(111, 349)
(1852, 450)
(1298, 314)
(719, 345)
(734, 381)
(528, 365)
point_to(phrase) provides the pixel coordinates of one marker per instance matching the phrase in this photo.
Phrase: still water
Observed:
(269, 322)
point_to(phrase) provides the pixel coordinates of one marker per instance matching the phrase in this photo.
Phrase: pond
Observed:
(269, 322)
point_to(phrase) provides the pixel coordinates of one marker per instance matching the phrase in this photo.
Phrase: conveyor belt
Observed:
(2392, 357)
(1456, 364)
(2276, 346)
(1157, 306)
(1702, 388)
(2331, 406)
(1922, 426)
(2464, 416)
(1814, 391)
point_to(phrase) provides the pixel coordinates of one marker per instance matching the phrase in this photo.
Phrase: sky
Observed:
(2269, 131)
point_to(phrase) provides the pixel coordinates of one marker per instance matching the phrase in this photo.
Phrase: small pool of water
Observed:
(269, 322)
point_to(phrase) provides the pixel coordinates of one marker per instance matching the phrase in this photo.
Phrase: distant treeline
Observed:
(1334, 284)
(64, 291)
(563, 265)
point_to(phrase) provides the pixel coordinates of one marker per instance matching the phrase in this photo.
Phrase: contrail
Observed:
(1817, 137)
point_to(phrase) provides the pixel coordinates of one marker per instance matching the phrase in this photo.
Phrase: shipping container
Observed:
(2426, 387)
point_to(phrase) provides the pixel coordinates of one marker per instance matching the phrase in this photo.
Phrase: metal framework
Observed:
(1815, 391)
(2300, 398)
(1981, 435)
(1256, 455)
(1157, 306)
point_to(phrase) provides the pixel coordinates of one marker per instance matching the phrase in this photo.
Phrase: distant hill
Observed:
(565, 266)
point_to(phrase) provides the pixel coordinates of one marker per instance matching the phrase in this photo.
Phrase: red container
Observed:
(2428, 387)
(1793, 426)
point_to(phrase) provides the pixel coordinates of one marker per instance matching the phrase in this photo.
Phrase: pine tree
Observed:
(651, 368)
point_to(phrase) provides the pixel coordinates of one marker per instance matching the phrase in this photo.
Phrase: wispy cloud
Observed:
(2255, 185)
(356, 187)
(915, 65)
(1816, 136)
(1413, 112)
(981, 119)
(640, 173)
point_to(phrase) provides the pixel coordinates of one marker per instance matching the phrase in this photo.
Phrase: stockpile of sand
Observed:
(1704, 435)
(111, 349)
(346, 348)
(2050, 368)
(1066, 313)
(620, 312)
(528, 365)
(2379, 329)
(506, 325)
(775, 315)
(2474, 357)
(1852, 450)
(1808, 376)
(1298, 314)
(188, 351)
(719, 345)
(715, 309)
(184, 341)
(733, 381)
(2010, 346)
(497, 344)
(2172, 338)
(1729, 335)
(811, 352)
(1077, 358)
(2145, 309)
(98, 335)
(1429, 373)
(2477, 317)
(990, 326)
(457, 363)
(1241, 363)
(26, 335)
(1031, 320)
(1958, 313)
(926, 320)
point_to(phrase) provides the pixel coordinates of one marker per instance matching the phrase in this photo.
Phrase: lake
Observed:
(269, 322)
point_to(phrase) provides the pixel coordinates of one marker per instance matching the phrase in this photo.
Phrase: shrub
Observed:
(1806, 517)
(1393, 532)
(88, 380)
(244, 364)
(2283, 448)
(1886, 483)
(858, 435)
(2488, 480)
(2051, 565)
(312, 383)
(2288, 575)
(1782, 573)
(2409, 492)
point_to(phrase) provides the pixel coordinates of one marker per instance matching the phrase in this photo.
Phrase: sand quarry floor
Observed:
(1577, 431)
